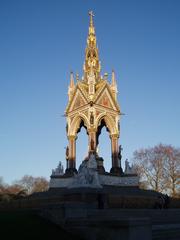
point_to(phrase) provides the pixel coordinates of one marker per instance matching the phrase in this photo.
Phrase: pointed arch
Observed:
(76, 124)
(109, 121)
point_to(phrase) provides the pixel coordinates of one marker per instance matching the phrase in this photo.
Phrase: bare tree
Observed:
(40, 185)
(33, 184)
(14, 189)
(149, 165)
(1, 181)
(172, 169)
(3, 186)
(159, 168)
(26, 182)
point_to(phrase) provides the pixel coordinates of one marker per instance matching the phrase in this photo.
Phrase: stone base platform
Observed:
(89, 221)
(109, 212)
(90, 175)
(103, 179)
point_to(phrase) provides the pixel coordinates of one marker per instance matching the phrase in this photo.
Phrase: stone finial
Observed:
(114, 84)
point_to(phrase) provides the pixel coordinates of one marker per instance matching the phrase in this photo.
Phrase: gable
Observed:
(106, 100)
(77, 101)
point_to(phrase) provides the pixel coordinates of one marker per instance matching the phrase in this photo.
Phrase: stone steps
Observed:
(157, 216)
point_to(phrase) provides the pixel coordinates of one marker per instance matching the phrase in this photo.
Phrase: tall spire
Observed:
(114, 85)
(71, 80)
(92, 63)
(71, 85)
(113, 82)
(91, 25)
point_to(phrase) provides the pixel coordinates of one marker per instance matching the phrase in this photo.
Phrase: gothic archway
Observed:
(102, 124)
(103, 144)
(75, 124)
(81, 144)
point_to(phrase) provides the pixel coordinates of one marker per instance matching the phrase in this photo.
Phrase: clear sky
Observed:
(42, 41)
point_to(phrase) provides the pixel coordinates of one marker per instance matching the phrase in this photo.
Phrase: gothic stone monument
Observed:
(90, 202)
(93, 105)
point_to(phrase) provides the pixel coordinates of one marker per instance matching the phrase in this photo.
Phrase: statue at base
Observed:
(129, 169)
(87, 174)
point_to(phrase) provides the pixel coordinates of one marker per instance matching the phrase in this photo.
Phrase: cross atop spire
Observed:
(91, 25)
(92, 63)
(91, 18)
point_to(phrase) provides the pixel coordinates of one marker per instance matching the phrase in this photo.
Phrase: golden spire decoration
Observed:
(92, 63)
(71, 79)
(91, 25)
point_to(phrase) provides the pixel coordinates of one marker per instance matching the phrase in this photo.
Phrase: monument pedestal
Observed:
(91, 174)
(116, 171)
(106, 179)
(71, 171)
(100, 165)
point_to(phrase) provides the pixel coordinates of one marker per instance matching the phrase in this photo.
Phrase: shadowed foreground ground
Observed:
(115, 213)
(27, 225)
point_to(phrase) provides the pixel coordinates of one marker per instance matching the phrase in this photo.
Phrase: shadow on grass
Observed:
(27, 225)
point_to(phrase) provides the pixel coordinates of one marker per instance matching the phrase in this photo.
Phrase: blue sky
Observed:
(42, 41)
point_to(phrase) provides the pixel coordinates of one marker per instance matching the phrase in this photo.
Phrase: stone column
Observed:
(114, 150)
(72, 155)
